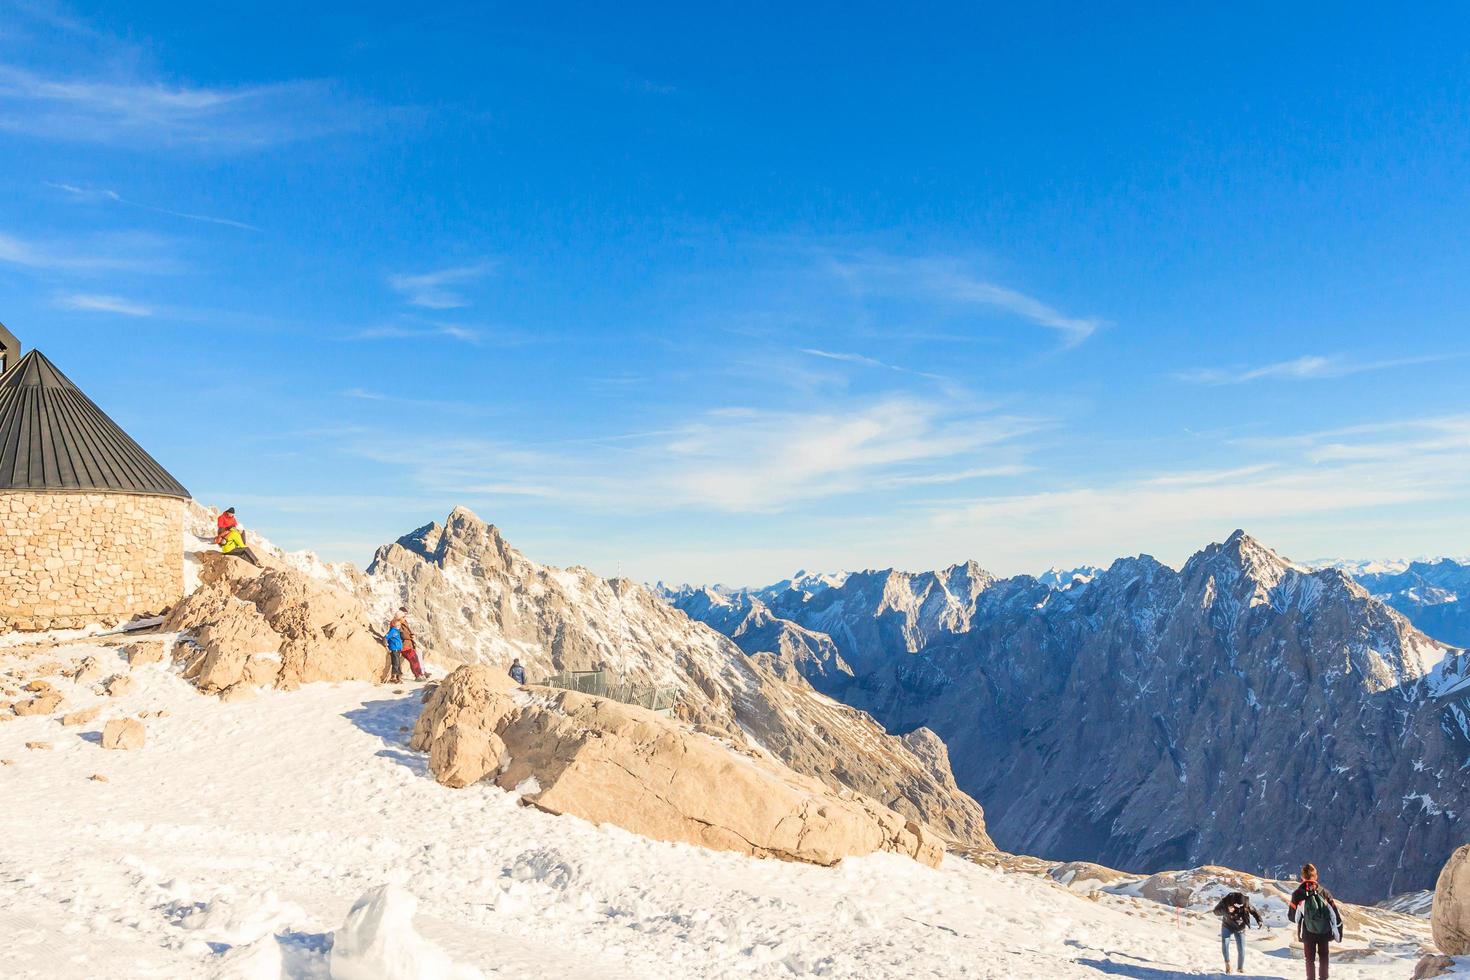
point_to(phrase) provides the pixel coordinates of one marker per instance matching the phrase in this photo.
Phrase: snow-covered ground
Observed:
(236, 842)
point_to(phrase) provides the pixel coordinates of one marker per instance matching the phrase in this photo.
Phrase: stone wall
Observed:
(71, 559)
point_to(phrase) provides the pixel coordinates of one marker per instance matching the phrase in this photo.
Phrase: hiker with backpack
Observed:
(1235, 912)
(1318, 921)
(410, 651)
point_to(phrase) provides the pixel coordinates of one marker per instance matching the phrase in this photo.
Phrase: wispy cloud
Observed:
(452, 331)
(1336, 478)
(125, 109)
(949, 281)
(103, 194)
(737, 460)
(96, 303)
(124, 253)
(435, 290)
(1304, 368)
(866, 361)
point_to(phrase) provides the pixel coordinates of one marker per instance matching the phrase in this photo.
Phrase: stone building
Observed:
(91, 526)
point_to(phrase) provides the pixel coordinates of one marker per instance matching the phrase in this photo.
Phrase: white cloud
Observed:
(147, 111)
(104, 194)
(948, 281)
(1290, 488)
(867, 362)
(432, 290)
(97, 303)
(1306, 367)
(737, 460)
(125, 253)
(466, 335)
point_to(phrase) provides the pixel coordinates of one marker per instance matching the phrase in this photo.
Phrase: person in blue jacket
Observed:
(394, 639)
(517, 672)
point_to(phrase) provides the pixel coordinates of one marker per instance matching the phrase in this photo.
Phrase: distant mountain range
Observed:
(1242, 710)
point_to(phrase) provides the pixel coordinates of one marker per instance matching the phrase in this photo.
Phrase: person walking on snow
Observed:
(394, 639)
(409, 652)
(517, 672)
(1235, 912)
(1318, 921)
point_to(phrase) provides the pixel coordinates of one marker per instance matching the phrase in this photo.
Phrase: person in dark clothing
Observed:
(1235, 912)
(517, 672)
(1318, 921)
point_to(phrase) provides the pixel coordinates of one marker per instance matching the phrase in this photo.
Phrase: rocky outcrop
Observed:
(276, 627)
(1089, 718)
(1451, 913)
(43, 704)
(470, 593)
(608, 762)
(123, 733)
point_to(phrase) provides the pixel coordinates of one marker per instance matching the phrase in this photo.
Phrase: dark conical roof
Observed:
(52, 437)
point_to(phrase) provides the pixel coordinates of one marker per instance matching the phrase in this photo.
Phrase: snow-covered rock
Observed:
(378, 942)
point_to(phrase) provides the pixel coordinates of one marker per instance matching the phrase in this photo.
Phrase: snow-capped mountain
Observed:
(1241, 710)
(1434, 595)
(1062, 578)
(472, 596)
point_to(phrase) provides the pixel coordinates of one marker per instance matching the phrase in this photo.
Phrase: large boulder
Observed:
(614, 763)
(1451, 915)
(123, 733)
(272, 627)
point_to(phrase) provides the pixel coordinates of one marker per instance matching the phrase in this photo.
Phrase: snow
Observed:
(292, 835)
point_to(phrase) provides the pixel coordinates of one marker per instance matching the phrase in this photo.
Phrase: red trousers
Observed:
(412, 656)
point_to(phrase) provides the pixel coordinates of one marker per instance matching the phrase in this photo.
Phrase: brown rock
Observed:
(120, 685)
(1432, 965)
(7, 762)
(97, 777)
(239, 692)
(39, 687)
(1450, 916)
(144, 652)
(89, 671)
(81, 717)
(123, 733)
(272, 628)
(615, 763)
(38, 745)
(43, 705)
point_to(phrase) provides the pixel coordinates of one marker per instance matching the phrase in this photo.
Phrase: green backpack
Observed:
(1317, 914)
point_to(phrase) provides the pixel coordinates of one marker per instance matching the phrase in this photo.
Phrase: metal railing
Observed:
(598, 684)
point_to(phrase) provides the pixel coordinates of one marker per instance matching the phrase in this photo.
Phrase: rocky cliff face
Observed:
(1239, 711)
(473, 597)
(1433, 595)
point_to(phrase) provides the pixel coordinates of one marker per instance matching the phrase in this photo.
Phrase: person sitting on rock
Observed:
(517, 672)
(409, 652)
(223, 524)
(232, 542)
(1317, 919)
(1235, 912)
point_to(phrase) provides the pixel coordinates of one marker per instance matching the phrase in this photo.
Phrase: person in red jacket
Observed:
(223, 525)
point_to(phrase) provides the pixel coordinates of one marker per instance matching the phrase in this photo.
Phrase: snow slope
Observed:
(237, 840)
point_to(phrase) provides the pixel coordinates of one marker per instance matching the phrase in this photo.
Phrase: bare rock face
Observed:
(81, 717)
(144, 652)
(1451, 914)
(473, 596)
(120, 685)
(614, 763)
(123, 733)
(43, 704)
(1092, 719)
(275, 627)
(89, 671)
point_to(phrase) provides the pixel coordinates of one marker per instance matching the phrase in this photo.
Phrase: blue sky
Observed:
(701, 295)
